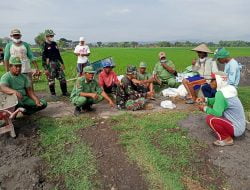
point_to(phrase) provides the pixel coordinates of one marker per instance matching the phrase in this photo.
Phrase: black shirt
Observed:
(51, 51)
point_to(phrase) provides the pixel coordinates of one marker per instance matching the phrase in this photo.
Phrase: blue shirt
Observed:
(232, 68)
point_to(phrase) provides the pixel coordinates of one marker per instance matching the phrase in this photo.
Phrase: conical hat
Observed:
(202, 48)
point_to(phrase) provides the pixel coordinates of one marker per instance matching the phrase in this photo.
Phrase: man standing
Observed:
(128, 96)
(232, 67)
(53, 64)
(108, 80)
(14, 82)
(164, 72)
(87, 92)
(18, 48)
(82, 52)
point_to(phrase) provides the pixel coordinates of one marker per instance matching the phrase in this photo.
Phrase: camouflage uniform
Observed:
(128, 96)
(51, 52)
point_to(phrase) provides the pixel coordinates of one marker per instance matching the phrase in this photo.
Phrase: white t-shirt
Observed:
(82, 49)
(21, 51)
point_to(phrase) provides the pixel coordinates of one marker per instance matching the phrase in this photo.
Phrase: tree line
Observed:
(66, 43)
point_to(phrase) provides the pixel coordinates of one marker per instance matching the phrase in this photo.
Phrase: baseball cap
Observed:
(131, 69)
(89, 69)
(221, 53)
(15, 32)
(143, 65)
(15, 61)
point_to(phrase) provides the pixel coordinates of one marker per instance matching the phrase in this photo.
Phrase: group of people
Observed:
(226, 114)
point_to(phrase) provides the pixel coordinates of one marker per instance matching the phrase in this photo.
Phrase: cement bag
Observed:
(170, 92)
(167, 104)
(182, 91)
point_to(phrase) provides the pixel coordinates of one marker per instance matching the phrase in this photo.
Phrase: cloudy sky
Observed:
(129, 20)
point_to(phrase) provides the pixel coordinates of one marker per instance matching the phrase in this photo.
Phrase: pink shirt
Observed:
(108, 80)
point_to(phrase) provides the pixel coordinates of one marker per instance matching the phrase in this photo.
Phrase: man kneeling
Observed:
(14, 82)
(87, 92)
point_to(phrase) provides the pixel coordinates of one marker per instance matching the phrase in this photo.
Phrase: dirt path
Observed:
(232, 160)
(114, 170)
(20, 168)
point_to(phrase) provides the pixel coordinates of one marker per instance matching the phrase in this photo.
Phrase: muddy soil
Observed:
(114, 170)
(232, 160)
(20, 168)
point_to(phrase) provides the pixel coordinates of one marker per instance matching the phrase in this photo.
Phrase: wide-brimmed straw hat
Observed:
(202, 48)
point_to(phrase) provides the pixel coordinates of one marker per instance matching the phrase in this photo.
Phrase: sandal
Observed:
(223, 143)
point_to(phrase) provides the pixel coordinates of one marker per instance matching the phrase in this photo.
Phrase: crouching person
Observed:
(108, 80)
(226, 114)
(128, 96)
(87, 92)
(14, 82)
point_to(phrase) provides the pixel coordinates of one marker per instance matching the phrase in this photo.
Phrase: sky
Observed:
(128, 20)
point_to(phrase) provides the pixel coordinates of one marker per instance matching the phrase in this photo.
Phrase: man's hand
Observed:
(193, 62)
(94, 96)
(200, 100)
(18, 94)
(38, 103)
(201, 107)
(62, 67)
(111, 103)
(47, 73)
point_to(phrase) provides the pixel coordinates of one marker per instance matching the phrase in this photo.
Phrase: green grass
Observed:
(67, 156)
(158, 146)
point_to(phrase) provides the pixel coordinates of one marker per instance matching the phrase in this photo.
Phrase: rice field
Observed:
(182, 57)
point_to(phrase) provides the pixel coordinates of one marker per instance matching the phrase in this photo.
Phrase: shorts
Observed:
(195, 78)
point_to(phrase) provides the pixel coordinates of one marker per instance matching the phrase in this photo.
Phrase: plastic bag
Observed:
(167, 104)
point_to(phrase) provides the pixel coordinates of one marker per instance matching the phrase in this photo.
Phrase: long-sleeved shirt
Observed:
(51, 52)
(232, 68)
(230, 108)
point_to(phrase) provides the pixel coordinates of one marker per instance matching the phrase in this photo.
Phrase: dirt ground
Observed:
(114, 170)
(232, 160)
(20, 168)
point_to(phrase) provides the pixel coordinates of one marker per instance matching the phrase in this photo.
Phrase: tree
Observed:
(134, 44)
(40, 39)
(99, 44)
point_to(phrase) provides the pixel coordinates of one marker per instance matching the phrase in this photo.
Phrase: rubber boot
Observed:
(52, 89)
(63, 86)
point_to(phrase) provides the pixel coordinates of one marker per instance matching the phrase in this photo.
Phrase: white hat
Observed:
(82, 39)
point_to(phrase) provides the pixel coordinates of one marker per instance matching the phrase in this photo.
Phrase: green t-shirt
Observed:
(19, 83)
(144, 76)
(83, 86)
(162, 73)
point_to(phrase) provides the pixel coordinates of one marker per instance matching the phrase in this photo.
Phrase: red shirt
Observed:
(108, 79)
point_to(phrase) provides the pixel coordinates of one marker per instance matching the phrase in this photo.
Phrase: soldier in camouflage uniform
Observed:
(53, 64)
(145, 80)
(87, 92)
(128, 96)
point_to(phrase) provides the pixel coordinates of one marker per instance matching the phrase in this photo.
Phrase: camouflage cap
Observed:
(89, 69)
(15, 32)
(15, 61)
(143, 65)
(49, 32)
(131, 70)
(221, 53)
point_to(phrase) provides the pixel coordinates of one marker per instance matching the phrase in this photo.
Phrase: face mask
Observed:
(202, 60)
(16, 40)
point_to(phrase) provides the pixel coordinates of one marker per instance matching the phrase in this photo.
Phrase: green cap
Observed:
(15, 61)
(131, 70)
(221, 53)
(143, 65)
(49, 32)
(89, 69)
